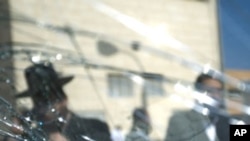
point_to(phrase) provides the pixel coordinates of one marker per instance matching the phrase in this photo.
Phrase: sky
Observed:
(234, 23)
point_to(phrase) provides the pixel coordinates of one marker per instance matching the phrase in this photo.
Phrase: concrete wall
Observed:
(5, 37)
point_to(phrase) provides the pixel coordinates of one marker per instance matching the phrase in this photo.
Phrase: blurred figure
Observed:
(236, 103)
(141, 126)
(191, 125)
(117, 134)
(50, 111)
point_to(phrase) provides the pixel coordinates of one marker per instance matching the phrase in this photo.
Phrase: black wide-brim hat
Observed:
(42, 71)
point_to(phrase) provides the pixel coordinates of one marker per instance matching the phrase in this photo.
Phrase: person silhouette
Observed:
(141, 126)
(185, 125)
(50, 111)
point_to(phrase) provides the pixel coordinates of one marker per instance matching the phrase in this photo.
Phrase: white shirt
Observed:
(117, 135)
(211, 132)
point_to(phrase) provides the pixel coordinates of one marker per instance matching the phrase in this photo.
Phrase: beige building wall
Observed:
(189, 22)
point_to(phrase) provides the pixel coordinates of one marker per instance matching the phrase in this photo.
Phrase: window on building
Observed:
(120, 85)
(153, 85)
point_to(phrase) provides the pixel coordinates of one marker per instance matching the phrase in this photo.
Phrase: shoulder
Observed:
(94, 128)
(96, 122)
(91, 123)
(181, 114)
(179, 124)
(182, 120)
(190, 115)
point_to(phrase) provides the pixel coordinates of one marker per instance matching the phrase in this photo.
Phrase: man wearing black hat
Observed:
(50, 111)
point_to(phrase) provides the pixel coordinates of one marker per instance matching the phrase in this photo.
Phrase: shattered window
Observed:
(113, 70)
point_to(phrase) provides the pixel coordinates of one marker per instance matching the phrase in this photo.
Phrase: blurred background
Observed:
(106, 44)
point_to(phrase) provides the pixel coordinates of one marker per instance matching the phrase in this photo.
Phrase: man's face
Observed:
(50, 111)
(214, 88)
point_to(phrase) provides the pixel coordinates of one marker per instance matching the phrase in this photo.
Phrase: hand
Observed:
(16, 127)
